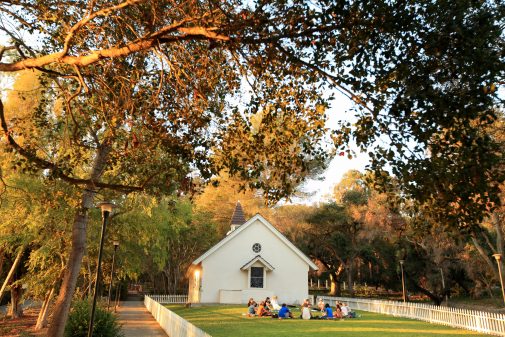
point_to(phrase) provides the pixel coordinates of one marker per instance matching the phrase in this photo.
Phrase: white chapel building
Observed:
(253, 260)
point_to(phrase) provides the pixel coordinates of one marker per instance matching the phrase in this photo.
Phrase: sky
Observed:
(320, 189)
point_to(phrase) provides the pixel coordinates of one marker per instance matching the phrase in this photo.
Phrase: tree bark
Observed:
(499, 233)
(484, 256)
(72, 269)
(12, 271)
(336, 284)
(2, 258)
(44, 311)
(437, 300)
(42, 318)
(16, 311)
(350, 276)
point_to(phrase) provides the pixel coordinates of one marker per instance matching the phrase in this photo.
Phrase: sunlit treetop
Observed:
(424, 77)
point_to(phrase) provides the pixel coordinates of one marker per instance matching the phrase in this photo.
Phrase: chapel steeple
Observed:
(238, 218)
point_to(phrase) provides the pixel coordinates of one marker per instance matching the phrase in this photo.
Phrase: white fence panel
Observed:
(170, 299)
(480, 321)
(173, 324)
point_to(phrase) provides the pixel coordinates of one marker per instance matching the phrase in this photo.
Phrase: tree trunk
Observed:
(44, 311)
(484, 256)
(12, 271)
(72, 269)
(499, 233)
(350, 278)
(333, 285)
(2, 258)
(42, 319)
(16, 310)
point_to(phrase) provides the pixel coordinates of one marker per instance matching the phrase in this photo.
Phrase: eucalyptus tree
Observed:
(144, 80)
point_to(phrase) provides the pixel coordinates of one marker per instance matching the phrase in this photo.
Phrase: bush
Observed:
(105, 323)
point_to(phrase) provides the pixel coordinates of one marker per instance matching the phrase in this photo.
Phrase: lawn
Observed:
(229, 321)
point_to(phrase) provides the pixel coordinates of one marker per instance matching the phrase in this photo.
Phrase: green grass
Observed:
(229, 321)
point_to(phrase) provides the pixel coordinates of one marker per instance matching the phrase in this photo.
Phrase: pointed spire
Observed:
(237, 218)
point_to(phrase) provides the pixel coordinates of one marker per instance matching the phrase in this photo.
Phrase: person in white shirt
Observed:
(305, 311)
(345, 310)
(274, 303)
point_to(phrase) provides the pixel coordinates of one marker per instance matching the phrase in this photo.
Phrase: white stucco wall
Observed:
(221, 276)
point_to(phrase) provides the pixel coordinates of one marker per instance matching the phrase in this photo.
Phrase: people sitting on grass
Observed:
(350, 313)
(251, 301)
(321, 305)
(251, 309)
(275, 304)
(306, 311)
(268, 305)
(345, 310)
(284, 312)
(338, 311)
(307, 301)
(328, 313)
(262, 311)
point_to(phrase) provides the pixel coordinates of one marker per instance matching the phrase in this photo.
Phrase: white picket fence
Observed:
(173, 324)
(480, 321)
(170, 299)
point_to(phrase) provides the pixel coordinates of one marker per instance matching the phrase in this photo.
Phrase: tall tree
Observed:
(416, 72)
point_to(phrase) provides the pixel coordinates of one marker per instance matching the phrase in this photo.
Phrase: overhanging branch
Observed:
(56, 171)
(185, 33)
(332, 78)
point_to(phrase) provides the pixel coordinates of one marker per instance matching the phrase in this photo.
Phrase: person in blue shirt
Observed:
(284, 312)
(328, 313)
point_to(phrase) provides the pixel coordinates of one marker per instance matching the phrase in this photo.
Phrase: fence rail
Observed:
(480, 321)
(173, 324)
(170, 299)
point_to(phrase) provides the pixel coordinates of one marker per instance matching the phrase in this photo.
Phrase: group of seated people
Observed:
(342, 310)
(271, 308)
(268, 307)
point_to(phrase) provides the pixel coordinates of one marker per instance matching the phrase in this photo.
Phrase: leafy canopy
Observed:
(424, 78)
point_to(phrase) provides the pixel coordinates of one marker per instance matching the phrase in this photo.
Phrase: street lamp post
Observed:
(498, 261)
(403, 281)
(106, 208)
(116, 244)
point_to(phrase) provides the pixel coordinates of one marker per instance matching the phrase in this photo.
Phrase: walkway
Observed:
(137, 321)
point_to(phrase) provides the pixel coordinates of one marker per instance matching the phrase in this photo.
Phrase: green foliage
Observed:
(156, 236)
(105, 322)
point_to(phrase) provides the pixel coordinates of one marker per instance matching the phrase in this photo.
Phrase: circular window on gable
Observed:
(256, 248)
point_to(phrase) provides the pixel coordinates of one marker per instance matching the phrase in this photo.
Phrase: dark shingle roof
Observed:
(238, 215)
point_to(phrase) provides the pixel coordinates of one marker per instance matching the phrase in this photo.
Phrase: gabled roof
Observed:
(256, 259)
(267, 225)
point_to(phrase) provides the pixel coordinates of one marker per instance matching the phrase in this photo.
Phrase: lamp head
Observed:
(497, 256)
(106, 206)
(115, 243)
(402, 262)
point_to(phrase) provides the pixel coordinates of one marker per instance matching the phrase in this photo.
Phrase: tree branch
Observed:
(189, 33)
(91, 16)
(333, 79)
(56, 171)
